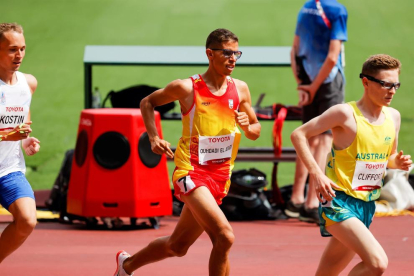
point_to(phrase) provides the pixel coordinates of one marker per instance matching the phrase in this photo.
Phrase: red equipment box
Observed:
(114, 172)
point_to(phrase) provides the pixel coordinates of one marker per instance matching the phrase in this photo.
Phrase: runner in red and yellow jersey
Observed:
(206, 152)
(212, 106)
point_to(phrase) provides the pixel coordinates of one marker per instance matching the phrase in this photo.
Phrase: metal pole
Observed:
(88, 85)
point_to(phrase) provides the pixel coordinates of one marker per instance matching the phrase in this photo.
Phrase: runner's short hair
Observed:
(7, 27)
(376, 63)
(218, 36)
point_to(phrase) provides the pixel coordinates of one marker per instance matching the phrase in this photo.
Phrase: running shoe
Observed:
(121, 256)
(292, 209)
(310, 215)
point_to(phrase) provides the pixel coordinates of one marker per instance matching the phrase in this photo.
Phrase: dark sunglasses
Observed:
(228, 53)
(385, 84)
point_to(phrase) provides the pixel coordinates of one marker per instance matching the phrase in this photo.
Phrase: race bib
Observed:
(368, 175)
(11, 116)
(215, 149)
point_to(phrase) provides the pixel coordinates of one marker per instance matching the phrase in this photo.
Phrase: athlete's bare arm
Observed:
(246, 117)
(398, 160)
(177, 90)
(31, 145)
(339, 118)
(32, 82)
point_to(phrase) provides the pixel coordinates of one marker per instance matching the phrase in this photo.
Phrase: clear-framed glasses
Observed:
(385, 84)
(228, 53)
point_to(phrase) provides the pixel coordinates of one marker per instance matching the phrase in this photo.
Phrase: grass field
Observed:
(57, 31)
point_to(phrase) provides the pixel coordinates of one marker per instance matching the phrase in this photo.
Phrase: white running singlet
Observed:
(14, 109)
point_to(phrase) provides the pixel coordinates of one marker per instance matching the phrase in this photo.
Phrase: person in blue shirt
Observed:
(317, 60)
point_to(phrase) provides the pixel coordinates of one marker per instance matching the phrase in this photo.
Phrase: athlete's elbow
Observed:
(295, 136)
(254, 133)
(145, 104)
(253, 137)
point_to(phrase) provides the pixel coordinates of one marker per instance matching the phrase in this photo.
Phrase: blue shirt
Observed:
(315, 35)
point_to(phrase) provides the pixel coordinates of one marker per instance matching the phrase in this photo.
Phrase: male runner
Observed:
(365, 140)
(211, 105)
(16, 91)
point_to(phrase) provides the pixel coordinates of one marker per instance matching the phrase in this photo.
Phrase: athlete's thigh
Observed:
(356, 236)
(206, 211)
(335, 258)
(187, 230)
(23, 208)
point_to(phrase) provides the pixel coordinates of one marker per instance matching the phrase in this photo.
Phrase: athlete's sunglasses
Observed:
(228, 53)
(385, 84)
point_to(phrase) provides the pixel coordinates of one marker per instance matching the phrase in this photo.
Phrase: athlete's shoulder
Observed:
(241, 85)
(31, 81)
(343, 109)
(339, 112)
(392, 110)
(180, 87)
(395, 114)
(185, 84)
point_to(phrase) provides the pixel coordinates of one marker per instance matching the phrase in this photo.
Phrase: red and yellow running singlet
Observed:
(210, 137)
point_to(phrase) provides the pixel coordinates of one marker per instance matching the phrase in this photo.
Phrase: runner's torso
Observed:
(210, 136)
(359, 169)
(14, 109)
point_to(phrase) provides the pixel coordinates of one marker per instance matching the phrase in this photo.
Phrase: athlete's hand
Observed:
(31, 145)
(242, 120)
(160, 146)
(323, 187)
(20, 132)
(403, 162)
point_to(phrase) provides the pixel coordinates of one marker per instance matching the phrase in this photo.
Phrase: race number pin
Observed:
(231, 103)
(3, 98)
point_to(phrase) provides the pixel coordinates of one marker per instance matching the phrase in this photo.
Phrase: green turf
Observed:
(57, 31)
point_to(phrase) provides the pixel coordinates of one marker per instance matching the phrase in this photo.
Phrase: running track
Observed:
(265, 248)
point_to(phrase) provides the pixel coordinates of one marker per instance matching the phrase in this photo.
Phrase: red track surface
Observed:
(264, 248)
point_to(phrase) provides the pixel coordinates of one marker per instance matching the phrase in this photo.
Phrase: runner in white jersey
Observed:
(16, 91)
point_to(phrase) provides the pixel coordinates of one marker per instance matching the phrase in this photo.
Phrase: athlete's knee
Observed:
(379, 265)
(224, 239)
(25, 225)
